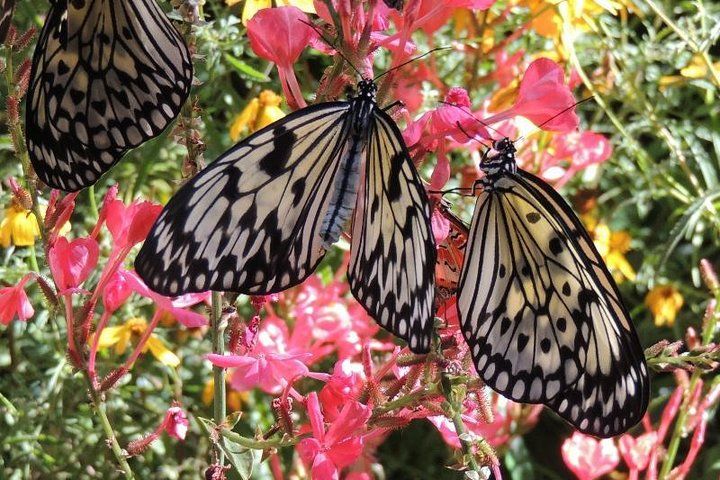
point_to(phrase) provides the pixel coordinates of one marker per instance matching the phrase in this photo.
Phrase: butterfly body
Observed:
(540, 311)
(259, 219)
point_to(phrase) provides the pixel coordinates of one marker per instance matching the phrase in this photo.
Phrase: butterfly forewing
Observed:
(251, 222)
(392, 260)
(6, 12)
(541, 314)
(106, 77)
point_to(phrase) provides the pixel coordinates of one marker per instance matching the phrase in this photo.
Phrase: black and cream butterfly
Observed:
(107, 75)
(539, 310)
(260, 218)
(6, 10)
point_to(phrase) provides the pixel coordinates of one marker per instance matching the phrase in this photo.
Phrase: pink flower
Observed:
(175, 306)
(14, 302)
(580, 150)
(507, 67)
(58, 212)
(130, 224)
(589, 458)
(345, 385)
(279, 35)
(636, 451)
(270, 372)
(176, 422)
(543, 95)
(72, 262)
(330, 451)
(116, 290)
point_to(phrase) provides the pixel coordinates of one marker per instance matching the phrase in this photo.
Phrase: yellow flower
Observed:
(234, 399)
(259, 112)
(252, 6)
(697, 68)
(19, 227)
(133, 329)
(664, 301)
(612, 246)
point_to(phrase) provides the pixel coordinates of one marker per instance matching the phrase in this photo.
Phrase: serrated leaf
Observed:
(245, 69)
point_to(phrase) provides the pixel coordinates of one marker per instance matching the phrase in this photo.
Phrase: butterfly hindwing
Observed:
(392, 260)
(106, 77)
(252, 221)
(542, 315)
(6, 12)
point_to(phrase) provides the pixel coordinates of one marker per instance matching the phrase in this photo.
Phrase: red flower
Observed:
(344, 385)
(130, 224)
(330, 451)
(116, 290)
(14, 302)
(580, 150)
(279, 35)
(72, 262)
(543, 95)
(176, 423)
(589, 458)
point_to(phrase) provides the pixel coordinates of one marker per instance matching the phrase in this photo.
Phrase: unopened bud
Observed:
(709, 276)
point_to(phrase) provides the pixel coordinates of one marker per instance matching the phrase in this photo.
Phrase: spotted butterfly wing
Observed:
(107, 75)
(6, 10)
(393, 249)
(540, 311)
(260, 218)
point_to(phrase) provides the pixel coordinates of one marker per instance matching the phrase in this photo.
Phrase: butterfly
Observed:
(260, 218)
(539, 310)
(107, 75)
(6, 12)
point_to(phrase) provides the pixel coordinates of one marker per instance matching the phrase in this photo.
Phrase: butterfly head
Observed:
(500, 163)
(366, 89)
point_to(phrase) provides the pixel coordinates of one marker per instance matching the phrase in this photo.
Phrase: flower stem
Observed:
(218, 347)
(456, 417)
(107, 427)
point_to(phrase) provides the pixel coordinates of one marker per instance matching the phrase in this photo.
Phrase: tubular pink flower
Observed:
(268, 371)
(130, 224)
(14, 302)
(589, 458)
(330, 451)
(543, 94)
(279, 35)
(176, 422)
(72, 262)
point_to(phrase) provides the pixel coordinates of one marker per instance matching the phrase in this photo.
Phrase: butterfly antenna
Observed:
(539, 127)
(331, 44)
(410, 61)
(450, 190)
(470, 115)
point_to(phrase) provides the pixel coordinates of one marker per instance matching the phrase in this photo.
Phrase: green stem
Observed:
(107, 427)
(93, 202)
(33, 259)
(218, 346)
(456, 417)
(409, 399)
(260, 444)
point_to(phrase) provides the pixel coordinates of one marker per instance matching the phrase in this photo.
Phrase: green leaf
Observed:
(242, 459)
(245, 69)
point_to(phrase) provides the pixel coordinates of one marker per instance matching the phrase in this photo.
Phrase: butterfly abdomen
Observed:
(344, 196)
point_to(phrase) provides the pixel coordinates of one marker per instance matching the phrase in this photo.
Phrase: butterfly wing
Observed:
(393, 253)
(106, 77)
(252, 221)
(541, 313)
(6, 12)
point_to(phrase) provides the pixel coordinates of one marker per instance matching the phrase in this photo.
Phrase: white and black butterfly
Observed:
(541, 313)
(107, 75)
(6, 12)
(260, 218)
